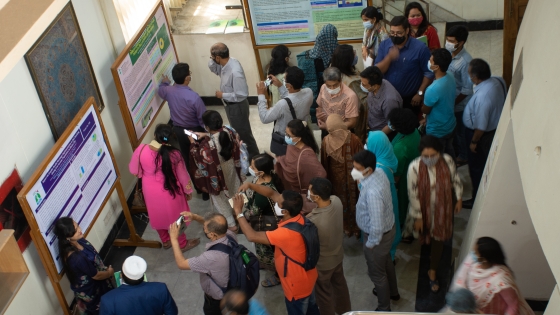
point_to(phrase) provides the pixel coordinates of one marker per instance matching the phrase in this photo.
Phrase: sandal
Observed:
(434, 283)
(270, 282)
(167, 245)
(191, 244)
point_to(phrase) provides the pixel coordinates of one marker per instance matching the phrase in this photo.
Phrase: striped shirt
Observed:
(215, 264)
(374, 211)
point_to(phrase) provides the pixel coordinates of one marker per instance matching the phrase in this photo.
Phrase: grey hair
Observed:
(332, 74)
(461, 301)
(213, 225)
(220, 50)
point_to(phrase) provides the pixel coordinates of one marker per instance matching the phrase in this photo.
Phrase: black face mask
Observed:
(398, 40)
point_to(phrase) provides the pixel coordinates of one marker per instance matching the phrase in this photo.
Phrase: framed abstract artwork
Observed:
(62, 72)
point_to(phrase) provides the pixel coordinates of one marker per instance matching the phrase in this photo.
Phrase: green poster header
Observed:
(143, 41)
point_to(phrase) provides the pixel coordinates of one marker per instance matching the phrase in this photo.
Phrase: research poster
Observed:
(141, 71)
(295, 21)
(74, 183)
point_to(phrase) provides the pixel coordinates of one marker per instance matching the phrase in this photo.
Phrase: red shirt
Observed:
(298, 283)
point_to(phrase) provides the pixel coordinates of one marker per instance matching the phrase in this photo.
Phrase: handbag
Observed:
(138, 201)
(278, 144)
(307, 205)
(265, 223)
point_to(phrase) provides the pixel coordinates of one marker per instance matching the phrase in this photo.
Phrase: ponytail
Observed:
(299, 128)
(227, 145)
(163, 135)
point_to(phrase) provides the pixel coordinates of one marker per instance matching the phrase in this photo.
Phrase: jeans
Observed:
(381, 270)
(304, 306)
(461, 147)
(238, 116)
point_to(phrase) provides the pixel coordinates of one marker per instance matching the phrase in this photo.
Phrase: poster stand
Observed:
(256, 48)
(42, 247)
(135, 139)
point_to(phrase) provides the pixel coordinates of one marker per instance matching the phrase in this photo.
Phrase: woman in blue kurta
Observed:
(379, 144)
(89, 278)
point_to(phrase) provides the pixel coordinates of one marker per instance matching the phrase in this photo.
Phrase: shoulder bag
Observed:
(278, 145)
(307, 205)
(264, 223)
(138, 201)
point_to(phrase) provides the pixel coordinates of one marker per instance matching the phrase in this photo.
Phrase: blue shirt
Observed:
(407, 72)
(255, 308)
(440, 96)
(185, 106)
(374, 210)
(146, 298)
(459, 67)
(485, 107)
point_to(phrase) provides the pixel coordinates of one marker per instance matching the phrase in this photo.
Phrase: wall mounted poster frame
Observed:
(75, 179)
(138, 71)
(61, 70)
(297, 23)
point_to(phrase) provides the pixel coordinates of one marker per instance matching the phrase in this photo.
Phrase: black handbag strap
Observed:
(292, 110)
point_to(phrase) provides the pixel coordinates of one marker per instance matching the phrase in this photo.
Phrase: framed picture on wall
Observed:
(62, 72)
(11, 213)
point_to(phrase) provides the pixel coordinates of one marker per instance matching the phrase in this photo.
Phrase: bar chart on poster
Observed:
(297, 21)
(74, 183)
(139, 70)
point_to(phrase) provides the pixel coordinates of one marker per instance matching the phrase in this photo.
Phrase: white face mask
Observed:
(357, 175)
(333, 91)
(364, 88)
(367, 25)
(450, 46)
(278, 210)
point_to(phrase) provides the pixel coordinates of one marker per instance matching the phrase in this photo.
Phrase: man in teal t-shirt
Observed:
(439, 101)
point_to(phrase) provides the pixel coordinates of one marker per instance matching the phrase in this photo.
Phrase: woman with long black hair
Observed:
(420, 26)
(218, 166)
(88, 276)
(280, 56)
(166, 185)
(300, 164)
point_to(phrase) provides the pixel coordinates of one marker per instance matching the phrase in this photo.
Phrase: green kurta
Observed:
(406, 150)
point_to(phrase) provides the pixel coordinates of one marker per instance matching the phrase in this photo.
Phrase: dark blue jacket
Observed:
(147, 298)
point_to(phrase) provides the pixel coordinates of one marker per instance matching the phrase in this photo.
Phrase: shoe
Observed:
(205, 196)
(167, 245)
(394, 297)
(191, 244)
(468, 204)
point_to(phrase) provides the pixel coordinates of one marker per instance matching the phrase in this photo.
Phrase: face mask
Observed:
(450, 46)
(252, 172)
(357, 175)
(430, 66)
(397, 40)
(416, 21)
(309, 196)
(367, 25)
(355, 60)
(390, 126)
(334, 91)
(473, 256)
(430, 161)
(284, 83)
(365, 146)
(278, 210)
(364, 88)
(289, 140)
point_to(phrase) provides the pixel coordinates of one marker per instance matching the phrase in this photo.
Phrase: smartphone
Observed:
(181, 224)
(267, 82)
(190, 133)
(245, 200)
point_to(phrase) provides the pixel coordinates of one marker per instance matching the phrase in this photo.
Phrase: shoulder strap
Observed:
(221, 248)
(297, 171)
(289, 101)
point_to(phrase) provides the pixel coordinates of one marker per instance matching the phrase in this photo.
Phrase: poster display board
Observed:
(138, 71)
(298, 21)
(74, 183)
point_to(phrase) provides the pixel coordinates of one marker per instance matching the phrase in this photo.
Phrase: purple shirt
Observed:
(185, 105)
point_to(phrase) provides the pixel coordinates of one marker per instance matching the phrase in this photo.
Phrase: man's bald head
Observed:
(216, 223)
(235, 301)
(219, 50)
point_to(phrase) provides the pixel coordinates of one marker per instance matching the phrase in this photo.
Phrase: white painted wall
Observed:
(474, 10)
(28, 138)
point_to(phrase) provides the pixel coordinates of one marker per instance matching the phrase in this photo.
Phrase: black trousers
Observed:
(477, 160)
(211, 306)
(406, 104)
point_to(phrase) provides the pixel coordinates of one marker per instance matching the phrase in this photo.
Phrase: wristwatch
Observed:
(420, 93)
(239, 216)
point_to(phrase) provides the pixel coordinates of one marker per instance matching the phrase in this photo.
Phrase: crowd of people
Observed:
(386, 172)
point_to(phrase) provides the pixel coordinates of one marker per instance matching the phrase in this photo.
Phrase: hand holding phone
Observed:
(191, 134)
(245, 200)
(181, 224)
(267, 82)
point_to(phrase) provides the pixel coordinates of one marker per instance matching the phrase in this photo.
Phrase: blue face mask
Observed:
(390, 126)
(289, 140)
(355, 60)
(367, 25)
(252, 172)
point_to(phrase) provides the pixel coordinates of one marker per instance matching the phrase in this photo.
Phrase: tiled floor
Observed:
(197, 15)
(185, 287)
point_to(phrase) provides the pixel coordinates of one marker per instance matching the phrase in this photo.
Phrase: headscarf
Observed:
(379, 144)
(338, 135)
(325, 44)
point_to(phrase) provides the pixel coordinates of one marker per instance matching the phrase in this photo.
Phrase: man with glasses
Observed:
(186, 109)
(404, 61)
(382, 99)
(233, 92)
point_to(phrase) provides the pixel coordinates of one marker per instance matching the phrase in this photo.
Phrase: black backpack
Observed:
(310, 235)
(243, 267)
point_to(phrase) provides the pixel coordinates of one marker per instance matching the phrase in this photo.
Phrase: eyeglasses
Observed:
(399, 34)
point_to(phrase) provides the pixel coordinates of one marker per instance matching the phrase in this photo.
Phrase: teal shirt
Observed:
(440, 96)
